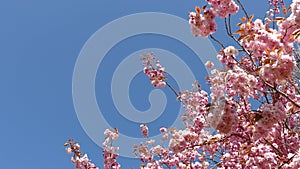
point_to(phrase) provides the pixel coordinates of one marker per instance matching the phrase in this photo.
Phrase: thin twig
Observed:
(273, 24)
(231, 35)
(216, 40)
(173, 90)
(281, 93)
(280, 154)
(287, 162)
(229, 24)
(243, 8)
(226, 27)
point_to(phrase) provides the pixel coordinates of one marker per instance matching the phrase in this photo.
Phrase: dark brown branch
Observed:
(216, 40)
(173, 90)
(278, 152)
(287, 162)
(229, 24)
(281, 93)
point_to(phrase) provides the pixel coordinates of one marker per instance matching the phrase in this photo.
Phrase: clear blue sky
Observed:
(39, 44)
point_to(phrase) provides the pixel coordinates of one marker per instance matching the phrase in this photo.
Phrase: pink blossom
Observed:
(156, 73)
(144, 130)
(209, 64)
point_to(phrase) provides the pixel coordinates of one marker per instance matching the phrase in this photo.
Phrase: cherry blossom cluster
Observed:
(271, 49)
(203, 20)
(270, 115)
(176, 155)
(228, 55)
(275, 4)
(154, 70)
(295, 6)
(222, 117)
(217, 85)
(257, 156)
(274, 10)
(196, 104)
(223, 7)
(259, 39)
(240, 83)
(109, 152)
(142, 151)
(277, 67)
(203, 24)
(80, 162)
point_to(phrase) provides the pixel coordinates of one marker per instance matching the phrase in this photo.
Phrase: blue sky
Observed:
(40, 43)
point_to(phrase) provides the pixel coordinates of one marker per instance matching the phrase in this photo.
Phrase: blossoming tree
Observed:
(223, 128)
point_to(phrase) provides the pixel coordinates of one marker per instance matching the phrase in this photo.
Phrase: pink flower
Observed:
(156, 73)
(68, 150)
(163, 129)
(209, 64)
(144, 130)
